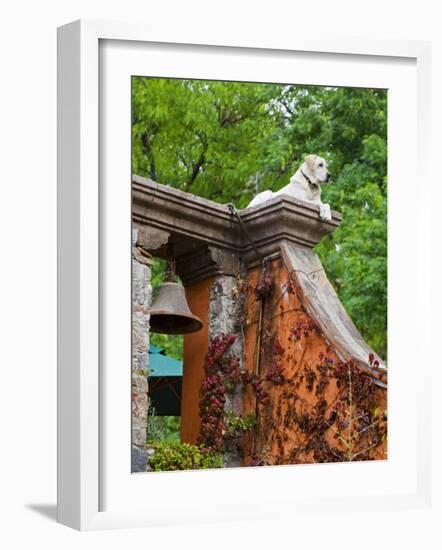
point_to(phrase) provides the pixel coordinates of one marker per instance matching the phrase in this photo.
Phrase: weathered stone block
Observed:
(141, 299)
(139, 383)
(139, 460)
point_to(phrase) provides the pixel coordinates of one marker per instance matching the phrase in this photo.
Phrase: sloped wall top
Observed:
(324, 307)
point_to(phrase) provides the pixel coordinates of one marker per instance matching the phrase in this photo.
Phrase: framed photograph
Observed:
(234, 256)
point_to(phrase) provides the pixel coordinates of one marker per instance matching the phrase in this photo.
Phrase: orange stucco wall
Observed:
(195, 349)
(278, 439)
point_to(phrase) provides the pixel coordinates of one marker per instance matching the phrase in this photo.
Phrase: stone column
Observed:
(214, 290)
(226, 311)
(141, 300)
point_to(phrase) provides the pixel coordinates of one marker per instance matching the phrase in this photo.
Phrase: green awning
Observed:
(165, 375)
(161, 365)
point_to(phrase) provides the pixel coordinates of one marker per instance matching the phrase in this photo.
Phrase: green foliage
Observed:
(237, 425)
(226, 141)
(200, 136)
(355, 255)
(182, 456)
(162, 428)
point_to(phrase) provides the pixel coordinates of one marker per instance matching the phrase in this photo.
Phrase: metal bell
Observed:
(170, 312)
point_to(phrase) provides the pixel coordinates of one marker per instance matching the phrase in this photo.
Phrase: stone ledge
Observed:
(183, 214)
(193, 222)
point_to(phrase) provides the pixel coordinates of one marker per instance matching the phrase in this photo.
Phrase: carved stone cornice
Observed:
(198, 227)
(183, 214)
(283, 219)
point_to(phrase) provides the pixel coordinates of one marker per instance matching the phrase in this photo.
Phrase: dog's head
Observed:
(317, 169)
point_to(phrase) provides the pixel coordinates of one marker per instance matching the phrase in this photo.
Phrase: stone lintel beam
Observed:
(205, 262)
(152, 239)
(194, 224)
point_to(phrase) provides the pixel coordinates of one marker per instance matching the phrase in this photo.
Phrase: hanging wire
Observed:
(235, 212)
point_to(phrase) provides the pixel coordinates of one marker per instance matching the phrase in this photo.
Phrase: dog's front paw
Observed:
(325, 212)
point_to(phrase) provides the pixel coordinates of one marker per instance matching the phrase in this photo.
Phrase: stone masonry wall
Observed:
(141, 300)
(226, 308)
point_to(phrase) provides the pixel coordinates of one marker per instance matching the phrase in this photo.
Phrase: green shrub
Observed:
(237, 425)
(162, 428)
(182, 456)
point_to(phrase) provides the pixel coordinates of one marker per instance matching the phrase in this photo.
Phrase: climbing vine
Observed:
(222, 377)
(222, 374)
(324, 409)
(318, 410)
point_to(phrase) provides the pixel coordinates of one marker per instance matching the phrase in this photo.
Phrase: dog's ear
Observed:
(310, 161)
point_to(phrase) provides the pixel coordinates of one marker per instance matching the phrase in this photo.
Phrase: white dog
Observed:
(305, 185)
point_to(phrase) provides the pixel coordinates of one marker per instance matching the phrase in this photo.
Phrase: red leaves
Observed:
(276, 372)
(304, 328)
(256, 382)
(222, 376)
(218, 347)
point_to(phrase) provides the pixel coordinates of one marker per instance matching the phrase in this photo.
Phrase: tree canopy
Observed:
(226, 141)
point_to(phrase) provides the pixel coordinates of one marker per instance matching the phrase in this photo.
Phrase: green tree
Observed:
(226, 141)
(202, 137)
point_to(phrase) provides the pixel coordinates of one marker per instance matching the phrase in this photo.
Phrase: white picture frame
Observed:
(80, 262)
